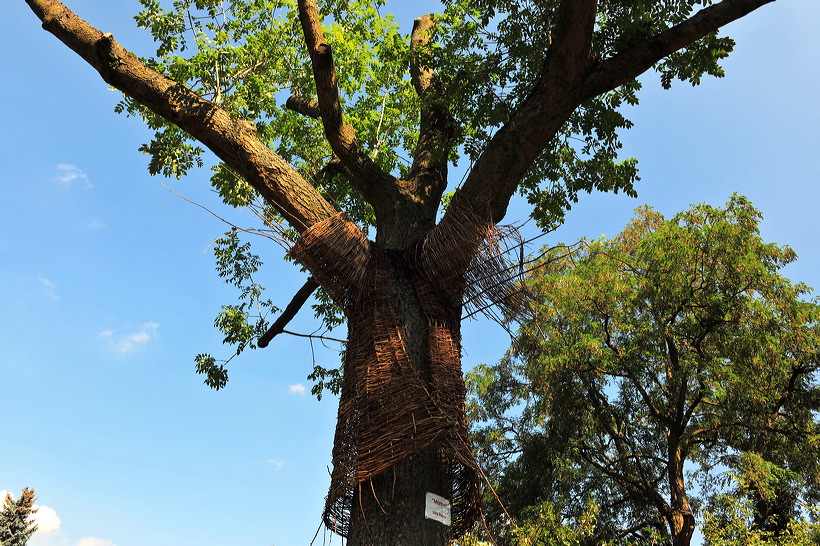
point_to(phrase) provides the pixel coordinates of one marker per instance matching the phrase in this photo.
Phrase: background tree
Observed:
(733, 517)
(666, 354)
(16, 525)
(515, 106)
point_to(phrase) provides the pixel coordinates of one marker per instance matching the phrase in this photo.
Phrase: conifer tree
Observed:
(16, 525)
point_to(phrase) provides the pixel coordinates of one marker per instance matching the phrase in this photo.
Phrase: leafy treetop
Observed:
(677, 346)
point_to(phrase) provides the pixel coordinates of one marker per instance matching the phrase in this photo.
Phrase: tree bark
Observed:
(679, 517)
(389, 509)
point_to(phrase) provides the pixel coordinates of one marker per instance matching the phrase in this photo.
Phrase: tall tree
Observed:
(16, 526)
(310, 109)
(674, 349)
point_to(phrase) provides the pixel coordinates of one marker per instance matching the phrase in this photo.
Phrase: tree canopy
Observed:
(530, 94)
(330, 125)
(650, 364)
(468, 70)
(16, 525)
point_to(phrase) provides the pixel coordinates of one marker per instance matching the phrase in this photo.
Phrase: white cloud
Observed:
(70, 174)
(93, 541)
(95, 224)
(297, 388)
(276, 462)
(49, 287)
(128, 343)
(48, 523)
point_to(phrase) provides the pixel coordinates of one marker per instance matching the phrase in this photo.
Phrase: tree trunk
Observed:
(680, 518)
(390, 508)
(402, 430)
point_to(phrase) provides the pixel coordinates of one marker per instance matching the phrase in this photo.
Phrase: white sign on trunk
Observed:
(437, 508)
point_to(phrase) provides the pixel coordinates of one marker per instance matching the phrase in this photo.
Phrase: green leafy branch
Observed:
(242, 324)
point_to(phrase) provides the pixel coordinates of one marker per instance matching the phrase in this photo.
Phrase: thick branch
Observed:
(570, 54)
(232, 140)
(371, 181)
(514, 148)
(568, 79)
(631, 63)
(290, 311)
(487, 191)
(306, 107)
(437, 127)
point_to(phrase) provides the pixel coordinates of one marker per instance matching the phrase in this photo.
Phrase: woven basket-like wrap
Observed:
(388, 411)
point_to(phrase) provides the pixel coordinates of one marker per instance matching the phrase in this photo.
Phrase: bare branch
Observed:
(290, 311)
(233, 140)
(317, 336)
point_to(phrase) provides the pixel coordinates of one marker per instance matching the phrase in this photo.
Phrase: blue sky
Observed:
(107, 286)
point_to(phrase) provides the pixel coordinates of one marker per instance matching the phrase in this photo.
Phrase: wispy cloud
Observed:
(93, 541)
(69, 174)
(297, 388)
(95, 224)
(125, 344)
(278, 463)
(50, 287)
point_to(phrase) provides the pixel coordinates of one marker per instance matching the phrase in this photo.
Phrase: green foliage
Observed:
(16, 526)
(241, 324)
(676, 343)
(542, 525)
(732, 518)
(216, 375)
(761, 506)
(323, 378)
(248, 57)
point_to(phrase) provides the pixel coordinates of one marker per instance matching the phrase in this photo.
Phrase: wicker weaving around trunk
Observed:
(388, 411)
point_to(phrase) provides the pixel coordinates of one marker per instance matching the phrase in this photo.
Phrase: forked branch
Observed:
(437, 126)
(571, 76)
(371, 181)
